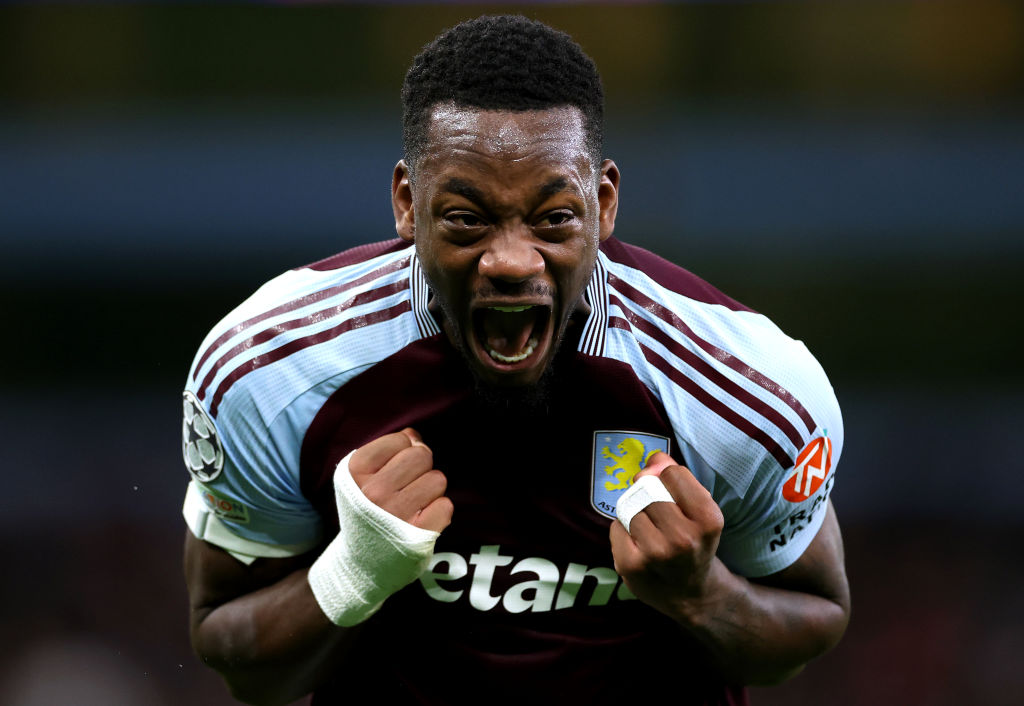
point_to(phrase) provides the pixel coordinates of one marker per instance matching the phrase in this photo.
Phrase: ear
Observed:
(401, 202)
(608, 197)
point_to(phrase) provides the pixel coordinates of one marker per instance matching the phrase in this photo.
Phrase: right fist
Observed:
(396, 473)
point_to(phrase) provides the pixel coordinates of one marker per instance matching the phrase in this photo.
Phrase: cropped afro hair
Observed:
(504, 62)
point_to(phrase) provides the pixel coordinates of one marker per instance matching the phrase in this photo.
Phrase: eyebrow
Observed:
(467, 190)
(463, 188)
(555, 186)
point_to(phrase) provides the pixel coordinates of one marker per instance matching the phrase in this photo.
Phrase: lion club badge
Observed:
(200, 446)
(618, 456)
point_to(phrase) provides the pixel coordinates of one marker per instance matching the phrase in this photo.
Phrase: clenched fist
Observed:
(396, 473)
(391, 507)
(667, 555)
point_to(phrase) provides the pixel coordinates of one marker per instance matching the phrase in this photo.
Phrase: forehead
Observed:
(511, 141)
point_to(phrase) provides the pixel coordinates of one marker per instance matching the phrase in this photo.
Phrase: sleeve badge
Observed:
(200, 444)
(810, 471)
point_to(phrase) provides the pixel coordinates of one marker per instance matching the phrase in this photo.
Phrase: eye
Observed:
(557, 218)
(463, 219)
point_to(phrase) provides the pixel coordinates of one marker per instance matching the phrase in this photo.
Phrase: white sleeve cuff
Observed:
(205, 525)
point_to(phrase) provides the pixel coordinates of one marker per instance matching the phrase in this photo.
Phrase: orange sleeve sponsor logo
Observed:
(224, 508)
(812, 467)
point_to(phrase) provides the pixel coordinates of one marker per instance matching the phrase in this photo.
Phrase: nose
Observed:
(511, 257)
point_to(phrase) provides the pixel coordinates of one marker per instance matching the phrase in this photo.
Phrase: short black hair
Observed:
(501, 62)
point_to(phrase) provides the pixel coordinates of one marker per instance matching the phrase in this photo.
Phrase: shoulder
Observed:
(263, 372)
(307, 326)
(743, 396)
(631, 262)
(359, 254)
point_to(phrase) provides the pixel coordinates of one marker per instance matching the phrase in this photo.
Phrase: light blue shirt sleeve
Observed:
(245, 494)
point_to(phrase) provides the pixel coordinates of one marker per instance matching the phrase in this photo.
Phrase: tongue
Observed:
(508, 333)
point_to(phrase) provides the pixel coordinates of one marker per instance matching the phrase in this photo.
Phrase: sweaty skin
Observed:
(506, 210)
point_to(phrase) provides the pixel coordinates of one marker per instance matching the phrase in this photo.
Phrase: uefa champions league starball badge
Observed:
(200, 445)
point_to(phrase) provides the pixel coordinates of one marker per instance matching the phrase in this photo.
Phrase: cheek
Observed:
(445, 274)
(426, 253)
(583, 260)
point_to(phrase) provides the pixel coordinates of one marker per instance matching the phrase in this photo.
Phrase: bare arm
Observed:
(759, 631)
(764, 631)
(259, 625)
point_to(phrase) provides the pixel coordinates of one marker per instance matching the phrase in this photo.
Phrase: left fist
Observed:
(667, 556)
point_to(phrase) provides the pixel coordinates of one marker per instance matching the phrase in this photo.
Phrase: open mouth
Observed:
(510, 335)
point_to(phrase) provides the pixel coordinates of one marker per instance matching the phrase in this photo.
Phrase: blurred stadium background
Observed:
(854, 170)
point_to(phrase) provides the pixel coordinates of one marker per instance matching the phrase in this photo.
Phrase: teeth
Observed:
(523, 355)
(510, 309)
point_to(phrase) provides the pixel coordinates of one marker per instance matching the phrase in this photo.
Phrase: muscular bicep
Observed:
(213, 577)
(820, 570)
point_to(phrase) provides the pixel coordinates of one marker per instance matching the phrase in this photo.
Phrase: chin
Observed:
(519, 380)
(514, 395)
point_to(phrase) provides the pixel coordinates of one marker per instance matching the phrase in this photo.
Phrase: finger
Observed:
(625, 553)
(402, 469)
(649, 538)
(656, 463)
(406, 502)
(693, 499)
(435, 516)
(663, 533)
(414, 436)
(371, 457)
(654, 520)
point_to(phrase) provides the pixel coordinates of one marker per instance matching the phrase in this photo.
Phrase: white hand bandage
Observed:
(374, 555)
(647, 490)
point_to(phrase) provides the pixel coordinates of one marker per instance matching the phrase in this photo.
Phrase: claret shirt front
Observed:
(521, 599)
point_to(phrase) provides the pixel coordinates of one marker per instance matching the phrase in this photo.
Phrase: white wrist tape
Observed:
(646, 490)
(374, 555)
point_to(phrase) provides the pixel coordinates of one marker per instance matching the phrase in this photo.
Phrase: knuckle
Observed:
(674, 474)
(687, 546)
(359, 464)
(446, 508)
(716, 521)
(435, 481)
(710, 519)
(419, 455)
(661, 553)
(678, 543)
(447, 505)
(374, 492)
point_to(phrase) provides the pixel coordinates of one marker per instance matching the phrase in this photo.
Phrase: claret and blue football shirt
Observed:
(521, 590)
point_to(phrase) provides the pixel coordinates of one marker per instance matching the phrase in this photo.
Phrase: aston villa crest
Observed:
(617, 457)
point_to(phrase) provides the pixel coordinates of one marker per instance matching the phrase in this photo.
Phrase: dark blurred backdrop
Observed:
(853, 170)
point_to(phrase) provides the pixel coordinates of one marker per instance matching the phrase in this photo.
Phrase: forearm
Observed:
(756, 632)
(759, 634)
(272, 645)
